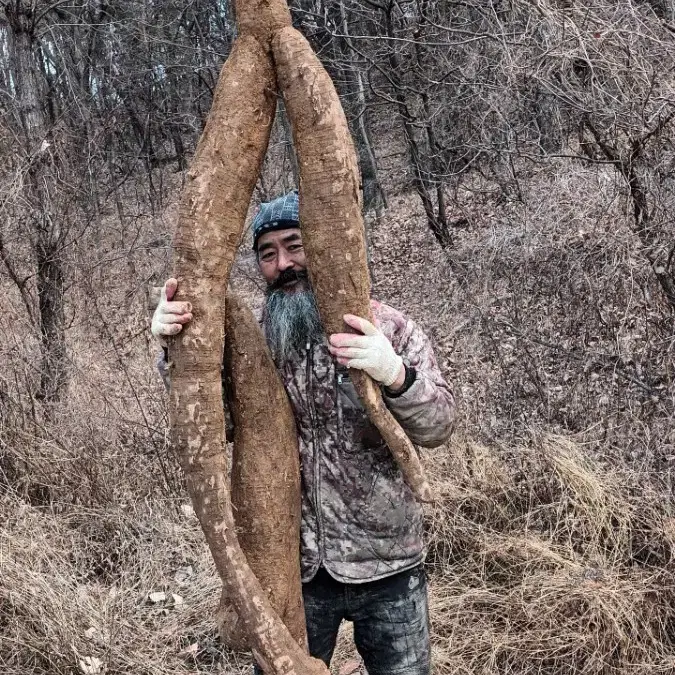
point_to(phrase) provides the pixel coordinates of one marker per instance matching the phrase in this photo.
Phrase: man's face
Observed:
(291, 316)
(280, 253)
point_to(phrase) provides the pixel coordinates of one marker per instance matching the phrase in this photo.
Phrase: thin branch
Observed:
(18, 281)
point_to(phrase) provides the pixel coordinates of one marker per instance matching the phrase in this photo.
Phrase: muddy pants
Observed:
(390, 616)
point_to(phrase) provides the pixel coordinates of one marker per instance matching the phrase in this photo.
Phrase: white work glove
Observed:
(371, 351)
(169, 317)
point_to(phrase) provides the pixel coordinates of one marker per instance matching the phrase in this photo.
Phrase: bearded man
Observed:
(361, 532)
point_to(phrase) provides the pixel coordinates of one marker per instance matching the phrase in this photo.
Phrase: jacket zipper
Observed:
(338, 402)
(315, 451)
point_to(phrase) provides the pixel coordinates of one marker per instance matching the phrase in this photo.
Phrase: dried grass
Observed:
(555, 564)
(77, 585)
(566, 567)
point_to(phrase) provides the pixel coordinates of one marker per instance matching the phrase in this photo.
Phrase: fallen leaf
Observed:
(91, 633)
(177, 600)
(190, 650)
(158, 596)
(91, 665)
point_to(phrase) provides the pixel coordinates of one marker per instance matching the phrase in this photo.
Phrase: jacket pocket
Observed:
(391, 511)
(355, 429)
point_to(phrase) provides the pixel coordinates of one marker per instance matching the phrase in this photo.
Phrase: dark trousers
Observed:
(390, 616)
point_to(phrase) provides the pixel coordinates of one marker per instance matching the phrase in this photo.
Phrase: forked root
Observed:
(212, 214)
(333, 232)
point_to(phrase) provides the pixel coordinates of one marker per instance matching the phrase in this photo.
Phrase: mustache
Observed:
(287, 276)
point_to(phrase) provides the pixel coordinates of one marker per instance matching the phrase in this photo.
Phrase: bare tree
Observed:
(616, 88)
(39, 165)
(91, 94)
(327, 26)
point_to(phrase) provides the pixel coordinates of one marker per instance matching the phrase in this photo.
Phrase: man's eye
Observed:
(294, 247)
(266, 257)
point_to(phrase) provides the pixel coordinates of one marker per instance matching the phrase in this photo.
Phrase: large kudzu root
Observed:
(265, 475)
(212, 214)
(261, 18)
(220, 182)
(333, 233)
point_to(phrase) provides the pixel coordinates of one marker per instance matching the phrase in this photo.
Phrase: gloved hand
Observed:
(371, 352)
(169, 317)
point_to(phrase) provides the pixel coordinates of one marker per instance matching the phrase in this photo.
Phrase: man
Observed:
(361, 533)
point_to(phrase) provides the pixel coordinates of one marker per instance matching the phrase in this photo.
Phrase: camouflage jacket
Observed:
(359, 519)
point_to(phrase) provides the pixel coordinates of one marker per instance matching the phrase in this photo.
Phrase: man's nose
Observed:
(284, 261)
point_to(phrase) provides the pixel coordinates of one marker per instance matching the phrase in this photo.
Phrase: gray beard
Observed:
(291, 320)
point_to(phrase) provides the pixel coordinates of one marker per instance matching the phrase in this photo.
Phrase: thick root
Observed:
(265, 473)
(333, 233)
(261, 18)
(213, 210)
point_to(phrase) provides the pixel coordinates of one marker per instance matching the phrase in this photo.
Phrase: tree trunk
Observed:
(437, 222)
(289, 150)
(53, 372)
(39, 186)
(374, 196)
